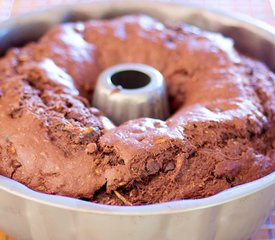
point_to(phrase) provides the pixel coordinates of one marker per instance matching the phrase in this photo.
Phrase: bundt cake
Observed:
(221, 131)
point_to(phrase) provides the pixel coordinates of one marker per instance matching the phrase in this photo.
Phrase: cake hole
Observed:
(130, 79)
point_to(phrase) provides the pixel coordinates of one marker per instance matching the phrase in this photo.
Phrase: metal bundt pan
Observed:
(232, 214)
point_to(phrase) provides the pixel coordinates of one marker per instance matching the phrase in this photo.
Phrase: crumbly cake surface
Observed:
(220, 133)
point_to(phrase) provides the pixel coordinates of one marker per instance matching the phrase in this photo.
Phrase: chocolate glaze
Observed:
(221, 134)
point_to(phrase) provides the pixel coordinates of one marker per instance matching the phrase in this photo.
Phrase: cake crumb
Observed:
(91, 148)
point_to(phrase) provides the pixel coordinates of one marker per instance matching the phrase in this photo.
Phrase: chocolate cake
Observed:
(221, 132)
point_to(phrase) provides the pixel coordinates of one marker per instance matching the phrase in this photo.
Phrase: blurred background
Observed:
(263, 10)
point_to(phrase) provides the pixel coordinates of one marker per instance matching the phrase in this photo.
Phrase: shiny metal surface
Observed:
(232, 214)
(251, 36)
(121, 103)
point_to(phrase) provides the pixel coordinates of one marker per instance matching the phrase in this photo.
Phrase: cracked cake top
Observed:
(220, 133)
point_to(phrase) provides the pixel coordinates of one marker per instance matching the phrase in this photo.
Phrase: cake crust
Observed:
(221, 132)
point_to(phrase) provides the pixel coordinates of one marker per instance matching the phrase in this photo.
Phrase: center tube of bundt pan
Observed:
(130, 91)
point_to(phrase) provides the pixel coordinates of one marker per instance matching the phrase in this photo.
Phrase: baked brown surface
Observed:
(220, 135)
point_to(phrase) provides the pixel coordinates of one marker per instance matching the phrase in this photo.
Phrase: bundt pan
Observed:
(232, 214)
